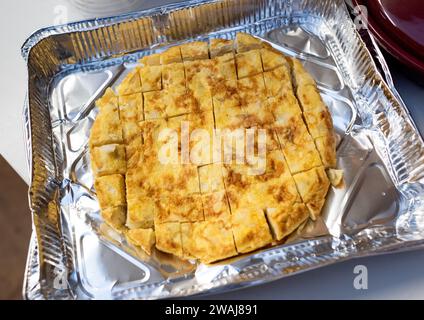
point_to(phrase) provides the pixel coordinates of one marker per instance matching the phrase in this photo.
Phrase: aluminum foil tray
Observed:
(75, 256)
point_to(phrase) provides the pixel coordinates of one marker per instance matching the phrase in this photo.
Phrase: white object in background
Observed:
(101, 8)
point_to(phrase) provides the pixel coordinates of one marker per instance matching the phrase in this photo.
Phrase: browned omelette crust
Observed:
(207, 210)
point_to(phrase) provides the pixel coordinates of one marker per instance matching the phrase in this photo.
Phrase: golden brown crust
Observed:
(278, 81)
(300, 75)
(224, 68)
(115, 217)
(168, 238)
(151, 78)
(150, 60)
(110, 190)
(215, 205)
(141, 211)
(171, 55)
(313, 186)
(309, 97)
(208, 241)
(284, 219)
(272, 59)
(248, 63)
(173, 76)
(196, 50)
(108, 159)
(219, 47)
(326, 147)
(212, 208)
(245, 42)
(179, 208)
(107, 129)
(131, 83)
(143, 238)
(251, 89)
(250, 229)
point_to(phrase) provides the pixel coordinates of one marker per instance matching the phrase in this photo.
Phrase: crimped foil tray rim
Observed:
(43, 33)
(88, 24)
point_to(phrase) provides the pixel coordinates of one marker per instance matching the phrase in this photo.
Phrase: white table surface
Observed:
(394, 276)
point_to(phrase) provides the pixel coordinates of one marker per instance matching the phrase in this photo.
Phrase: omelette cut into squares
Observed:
(179, 208)
(133, 151)
(139, 182)
(275, 167)
(108, 159)
(180, 102)
(106, 129)
(141, 211)
(229, 117)
(150, 60)
(225, 94)
(208, 241)
(313, 186)
(150, 130)
(168, 238)
(162, 140)
(297, 145)
(132, 138)
(250, 229)
(258, 132)
(143, 238)
(173, 76)
(284, 107)
(278, 81)
(172, 177)
(194, 51)
(248, 63)
(237, 178)
(326, 147)
(131, 83)
(219, 47)
(300, 75)
(336, 177)
(262, 195)
(278, 190)
(131, 108)
(215, 205)
(258, 114)
(201, 127)
(108, 102)
(300, 153)
(155, 103)
(310, 98)
(199, 71)
(225, 68)
(201, 120)
(285, 218)
(115, 217)
(110, 190)
(319, 122)
(171, 55)
(252, 89)
(210, 178)
(271, 58)
(245, 42)
(151, 78)
(131, 112)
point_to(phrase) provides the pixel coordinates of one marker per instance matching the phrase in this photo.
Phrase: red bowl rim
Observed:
(391, 46)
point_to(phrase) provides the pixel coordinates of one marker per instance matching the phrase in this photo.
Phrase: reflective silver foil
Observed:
(73, 255)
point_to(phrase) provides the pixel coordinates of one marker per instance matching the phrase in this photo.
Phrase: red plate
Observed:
(398, 26)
